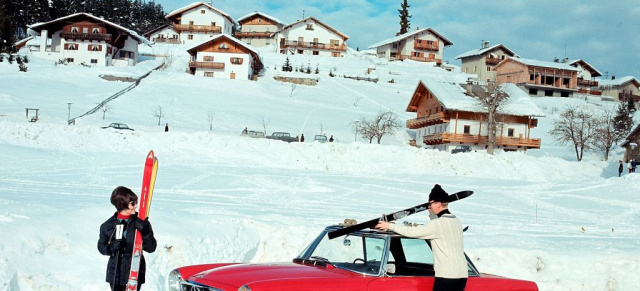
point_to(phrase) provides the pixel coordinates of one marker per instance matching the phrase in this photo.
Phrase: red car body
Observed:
(315, 273)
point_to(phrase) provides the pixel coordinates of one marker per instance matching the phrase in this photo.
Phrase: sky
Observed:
(599, 32)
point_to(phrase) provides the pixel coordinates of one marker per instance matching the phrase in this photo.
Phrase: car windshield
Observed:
(360, 254)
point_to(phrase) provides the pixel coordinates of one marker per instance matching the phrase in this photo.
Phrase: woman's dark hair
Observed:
(122, 196)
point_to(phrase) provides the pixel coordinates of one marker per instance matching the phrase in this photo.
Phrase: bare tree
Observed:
(362, 128)
(158, 113)
(606, 134)
(385, 123)
(491, 101)
(293, 87)
(264, 122)
(575, 126)
(210, 116)
(106, 107)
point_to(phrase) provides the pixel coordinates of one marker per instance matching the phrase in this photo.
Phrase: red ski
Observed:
(148, 182)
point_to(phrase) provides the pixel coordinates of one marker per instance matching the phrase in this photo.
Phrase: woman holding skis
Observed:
(120, 248)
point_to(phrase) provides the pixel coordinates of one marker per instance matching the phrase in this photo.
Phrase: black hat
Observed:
(438, 195)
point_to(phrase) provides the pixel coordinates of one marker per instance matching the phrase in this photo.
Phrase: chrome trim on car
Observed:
(194, 286)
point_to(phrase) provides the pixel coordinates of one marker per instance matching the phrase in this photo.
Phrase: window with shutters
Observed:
(236, 61)
(74, 29)
(95, 30)
(95, 47)
(71, 46)
(208, 58)
(208, 74)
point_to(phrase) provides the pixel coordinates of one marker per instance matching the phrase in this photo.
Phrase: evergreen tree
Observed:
(405, 24)
(623, 120)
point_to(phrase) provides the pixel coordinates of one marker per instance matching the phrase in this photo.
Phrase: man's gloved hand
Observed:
(143, 226)
(115, 246)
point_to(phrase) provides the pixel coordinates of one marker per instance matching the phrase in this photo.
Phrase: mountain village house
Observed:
(223, 56)
(623, 89)
(632, 151)
(539, 78)
(83, 38)
(163, 34)
(424, 45)
(258, 29)
(449, 114)
(312, 37)
(587, 83)
(199, 21)
(483, 61)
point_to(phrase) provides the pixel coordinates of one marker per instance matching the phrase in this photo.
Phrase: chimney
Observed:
(486, 44)
(469, 87)
(565, 60)
(613, 77)
(555, 60)
(417, 28)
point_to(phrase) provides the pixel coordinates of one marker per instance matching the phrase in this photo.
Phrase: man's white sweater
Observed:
(445, 234)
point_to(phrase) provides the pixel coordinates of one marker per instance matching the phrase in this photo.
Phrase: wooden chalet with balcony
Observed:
(449, 114)
(621, 89)
(310, 36)
(483, 61)
(82, 38)
(163, 34)
(199, 21)
(587, 83)
(539, 78)
(259, 29)
(631, 145)
(422, 45)
(223, 56)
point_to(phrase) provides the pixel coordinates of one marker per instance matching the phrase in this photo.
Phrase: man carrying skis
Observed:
(120, 250)
(445, 233)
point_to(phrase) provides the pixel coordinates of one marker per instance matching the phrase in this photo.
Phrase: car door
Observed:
(413, 260)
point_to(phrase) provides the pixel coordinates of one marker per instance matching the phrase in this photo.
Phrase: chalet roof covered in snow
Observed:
(263, 15)
(618, 82)
(481, 51)
(223, 35)
(318, 22)
(409, 34)
(179, 11)
(590, 68)
(544, 64)
(58, 23)
(161, 27)
(452, 95)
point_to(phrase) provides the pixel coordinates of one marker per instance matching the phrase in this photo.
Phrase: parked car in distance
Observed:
(254, 134)
(367, 260)
(118, 126)
(461, 149)
(283, 136)
(320, 138)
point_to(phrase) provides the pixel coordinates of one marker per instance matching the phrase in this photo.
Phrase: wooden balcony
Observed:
(626, 96)
(197, 28)
(166, 40)
(86, 36)
(312, 45)
(589, 92)
(264, 34)
(419, 59)
(206, 65)
(432, 119)
(492, 61)
(587, 83)
(446, 137)
(425, 46)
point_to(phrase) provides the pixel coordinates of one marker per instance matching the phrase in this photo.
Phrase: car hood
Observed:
(241, 274)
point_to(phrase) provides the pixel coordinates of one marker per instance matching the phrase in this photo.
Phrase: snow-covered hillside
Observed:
(220, 197)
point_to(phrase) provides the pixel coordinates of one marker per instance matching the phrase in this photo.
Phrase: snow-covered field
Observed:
(220, 197)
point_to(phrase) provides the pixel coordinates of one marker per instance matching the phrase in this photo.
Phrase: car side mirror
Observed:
(389, 269)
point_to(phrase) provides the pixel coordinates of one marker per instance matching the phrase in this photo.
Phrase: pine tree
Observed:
(405, 24)
(623, 120)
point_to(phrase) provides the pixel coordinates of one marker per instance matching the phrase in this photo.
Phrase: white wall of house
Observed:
(475, 127)
(166, 32)
(130, 45)
(207, 18)
(406, 45)
(242, 71)
(583, 72)
(319, 32)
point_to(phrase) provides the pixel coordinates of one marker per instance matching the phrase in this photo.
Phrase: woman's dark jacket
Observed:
(107, 236)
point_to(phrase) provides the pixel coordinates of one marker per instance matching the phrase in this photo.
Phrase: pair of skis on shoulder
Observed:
(393, 216)
(148, 183)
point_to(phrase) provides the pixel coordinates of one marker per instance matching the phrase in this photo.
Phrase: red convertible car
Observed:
(367, 260)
